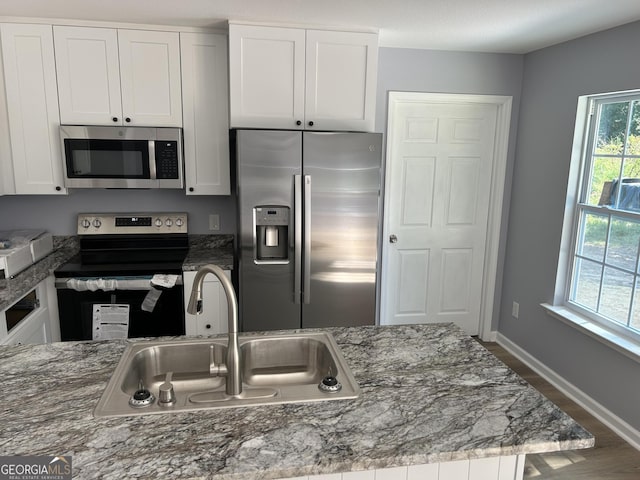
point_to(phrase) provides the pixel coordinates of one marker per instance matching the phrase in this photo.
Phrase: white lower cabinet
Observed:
(33, 319)
(490, 468)
(214, 317)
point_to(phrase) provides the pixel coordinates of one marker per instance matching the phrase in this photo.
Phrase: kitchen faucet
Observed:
(232, 370)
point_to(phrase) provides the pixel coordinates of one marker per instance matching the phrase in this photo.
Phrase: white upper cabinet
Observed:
(150, 77)
(32, 109)
(302, 79)
(88, 75)
(118, 77)
(341, 80)
(6, 166)
(266, 76)
(205, 113)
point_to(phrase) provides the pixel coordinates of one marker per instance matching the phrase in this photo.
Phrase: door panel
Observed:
(440, 161)
(88, 75)
(340, 80)
(345, 182)
(150, 77)
(267, 162)
(413, 286)
(266, 73)
(32, 106)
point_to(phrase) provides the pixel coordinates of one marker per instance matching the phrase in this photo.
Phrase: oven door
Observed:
(77, 311)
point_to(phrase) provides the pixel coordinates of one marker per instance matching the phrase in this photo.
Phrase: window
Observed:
(604, 272)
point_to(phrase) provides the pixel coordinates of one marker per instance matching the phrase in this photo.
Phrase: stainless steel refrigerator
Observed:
(309, 220)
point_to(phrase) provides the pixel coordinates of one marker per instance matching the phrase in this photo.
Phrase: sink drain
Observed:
(330, 384)
(141, 398)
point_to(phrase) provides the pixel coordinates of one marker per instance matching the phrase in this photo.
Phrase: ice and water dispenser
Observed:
(271, 234)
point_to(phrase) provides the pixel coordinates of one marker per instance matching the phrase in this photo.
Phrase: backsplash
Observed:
(57, 214)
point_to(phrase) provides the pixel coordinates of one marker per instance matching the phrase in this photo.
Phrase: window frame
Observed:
(585, 135)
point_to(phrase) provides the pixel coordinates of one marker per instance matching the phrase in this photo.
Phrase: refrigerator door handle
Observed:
(297, 231)
(306, 289)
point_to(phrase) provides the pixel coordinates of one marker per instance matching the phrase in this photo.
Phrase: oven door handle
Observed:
(119, 284)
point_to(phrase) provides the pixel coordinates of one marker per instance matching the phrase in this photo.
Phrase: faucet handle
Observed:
(166, 394)
(216, 369)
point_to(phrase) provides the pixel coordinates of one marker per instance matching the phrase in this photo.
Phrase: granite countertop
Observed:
(429, 394)
(13, 289)
(203, 249)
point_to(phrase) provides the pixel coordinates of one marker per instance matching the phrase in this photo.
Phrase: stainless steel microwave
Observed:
(122, 157)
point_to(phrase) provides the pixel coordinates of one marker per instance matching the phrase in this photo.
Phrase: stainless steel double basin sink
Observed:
(178, 375)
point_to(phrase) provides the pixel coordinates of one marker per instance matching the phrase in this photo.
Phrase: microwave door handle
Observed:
(152, 160)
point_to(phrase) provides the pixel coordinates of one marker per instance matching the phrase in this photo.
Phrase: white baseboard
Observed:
(491, 336)
(615, 423)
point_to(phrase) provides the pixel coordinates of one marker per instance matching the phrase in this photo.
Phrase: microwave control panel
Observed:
(167, 162)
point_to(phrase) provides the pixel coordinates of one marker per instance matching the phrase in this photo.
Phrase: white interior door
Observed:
(440, 165)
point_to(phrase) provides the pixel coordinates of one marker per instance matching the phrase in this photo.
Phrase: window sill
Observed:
(614, 340)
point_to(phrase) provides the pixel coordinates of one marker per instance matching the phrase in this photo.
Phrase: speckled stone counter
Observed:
(429, 394)
(204, 249)
(11, 290)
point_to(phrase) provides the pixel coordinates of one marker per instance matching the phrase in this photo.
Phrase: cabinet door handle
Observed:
(115, 119)
(128, 120)
(311, 124)
(208, 325)
(298, 122)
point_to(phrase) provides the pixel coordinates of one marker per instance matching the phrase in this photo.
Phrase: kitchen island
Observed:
(430, 394)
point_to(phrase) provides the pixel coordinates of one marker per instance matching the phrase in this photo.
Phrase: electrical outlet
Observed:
(515, 310)
(214, 222)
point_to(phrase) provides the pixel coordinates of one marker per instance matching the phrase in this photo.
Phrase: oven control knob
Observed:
(168, 222)
(97, 223)
(179, 222)
(158, 222)
(85, 223)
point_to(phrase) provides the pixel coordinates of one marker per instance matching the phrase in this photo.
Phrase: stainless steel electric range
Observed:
(127, 279)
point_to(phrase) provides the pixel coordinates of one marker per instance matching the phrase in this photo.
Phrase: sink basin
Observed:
(275, 369)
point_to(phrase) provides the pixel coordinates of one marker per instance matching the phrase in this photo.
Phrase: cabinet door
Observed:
(150, 78)
(32, 106)
(205, 113)
(341, 80)
(34, 330)
(88, 75)
(266, 72)
(6, 168)
(27, 321)
(215, 313)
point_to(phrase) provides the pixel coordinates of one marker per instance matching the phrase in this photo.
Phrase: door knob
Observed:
(393, 239)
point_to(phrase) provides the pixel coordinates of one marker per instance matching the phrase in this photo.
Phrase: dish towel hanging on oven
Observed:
(107, 284)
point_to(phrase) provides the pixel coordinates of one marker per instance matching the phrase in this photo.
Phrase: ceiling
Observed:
(504, 26)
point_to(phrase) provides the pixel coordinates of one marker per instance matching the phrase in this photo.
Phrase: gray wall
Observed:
(455, 72)
(57, 213)
(553, 79)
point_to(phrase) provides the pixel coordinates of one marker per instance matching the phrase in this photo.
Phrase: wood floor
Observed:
(611, 458)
